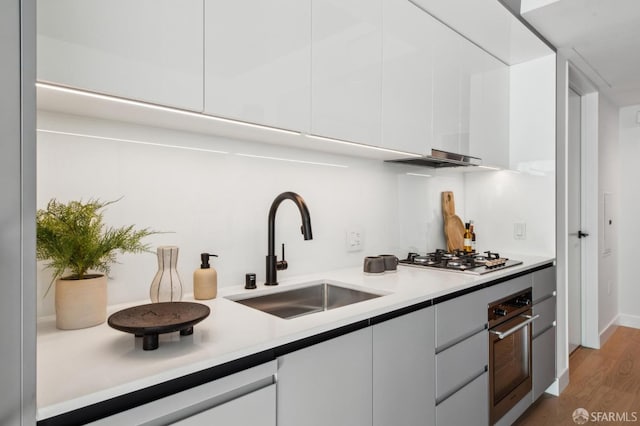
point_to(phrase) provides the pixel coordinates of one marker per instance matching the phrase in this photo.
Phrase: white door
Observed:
(574, 294)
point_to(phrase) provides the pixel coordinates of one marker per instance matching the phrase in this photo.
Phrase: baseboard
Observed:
(608, 330)
(626, 320)
(559, 384)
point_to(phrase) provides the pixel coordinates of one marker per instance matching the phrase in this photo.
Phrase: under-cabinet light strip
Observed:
(291, 160)
(489, 168)
(419, 174)
(161, 108)
(359, 145)
(82, 135)
(214, 118)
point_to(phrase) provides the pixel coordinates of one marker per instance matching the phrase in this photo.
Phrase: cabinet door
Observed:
(327, 384)
(403, 370)
(258, 61)
(460, 318)
(459, 364)
(489, 110)
(544, 361)
(447, 61)
(244, 398)
(256, 409)
(346, 71)
(468, 406)
(148, 50)
(544, 283)
(471, 61)
(407, 69)
(546, 310)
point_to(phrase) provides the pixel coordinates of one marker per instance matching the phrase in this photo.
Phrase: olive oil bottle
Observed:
(473, 237)
(466, 245)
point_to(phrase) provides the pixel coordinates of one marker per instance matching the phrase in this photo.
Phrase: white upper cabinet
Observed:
(258, 61)
(346, 70)
(470, 99)
(447, 64)
(149, 50)
(489, 113)
(407, 74)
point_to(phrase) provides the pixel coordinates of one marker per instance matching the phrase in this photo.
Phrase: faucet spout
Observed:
(273, 265)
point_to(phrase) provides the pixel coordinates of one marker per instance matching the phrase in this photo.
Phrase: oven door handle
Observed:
(502, 334)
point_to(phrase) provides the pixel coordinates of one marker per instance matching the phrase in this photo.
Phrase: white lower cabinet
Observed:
(244, 398)
(403, 370)
(328, 383)
(468, 406)
(544, 361)
(256, 409)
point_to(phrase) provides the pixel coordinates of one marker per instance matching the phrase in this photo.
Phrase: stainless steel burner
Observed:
(459, 261)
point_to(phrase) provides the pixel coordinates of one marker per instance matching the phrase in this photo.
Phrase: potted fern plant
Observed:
(80, 249)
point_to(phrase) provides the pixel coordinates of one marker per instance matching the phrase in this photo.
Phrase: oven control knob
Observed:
(500, 312)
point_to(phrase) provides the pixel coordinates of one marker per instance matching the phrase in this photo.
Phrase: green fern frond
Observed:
(72, 237)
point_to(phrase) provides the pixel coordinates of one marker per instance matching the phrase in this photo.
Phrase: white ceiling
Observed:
(600, 37)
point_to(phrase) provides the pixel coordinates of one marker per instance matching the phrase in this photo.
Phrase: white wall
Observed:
(498, 200)
(218, 202)
(629, 212)
(608, 183)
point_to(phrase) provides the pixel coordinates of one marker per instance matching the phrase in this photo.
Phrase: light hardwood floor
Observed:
(604, 380)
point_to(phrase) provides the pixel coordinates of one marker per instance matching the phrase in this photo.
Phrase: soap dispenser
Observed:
(205, 279)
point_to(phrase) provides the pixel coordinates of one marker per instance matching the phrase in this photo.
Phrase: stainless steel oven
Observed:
(510, 375)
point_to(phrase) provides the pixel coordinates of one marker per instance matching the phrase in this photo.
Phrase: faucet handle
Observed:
(282, 264)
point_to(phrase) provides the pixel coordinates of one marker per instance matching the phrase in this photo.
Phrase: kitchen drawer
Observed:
(256, 409)
(469, 406)
(229, 397)
(544, 283)
(508, 288)
(459, 364)
(547, 311)
(459, 318)
(544, 361)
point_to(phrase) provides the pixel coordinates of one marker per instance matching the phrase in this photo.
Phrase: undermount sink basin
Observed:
(299, 301)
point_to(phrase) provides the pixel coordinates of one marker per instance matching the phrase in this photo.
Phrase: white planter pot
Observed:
(81, 303)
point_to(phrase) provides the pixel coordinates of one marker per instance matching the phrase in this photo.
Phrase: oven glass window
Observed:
(510, 362)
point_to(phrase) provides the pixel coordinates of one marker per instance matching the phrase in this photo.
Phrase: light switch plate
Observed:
(520, 231)
(354, 239)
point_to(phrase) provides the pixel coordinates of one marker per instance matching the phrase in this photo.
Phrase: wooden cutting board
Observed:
(453, 226)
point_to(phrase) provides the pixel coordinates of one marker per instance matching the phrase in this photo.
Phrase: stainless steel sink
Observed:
(306, 300)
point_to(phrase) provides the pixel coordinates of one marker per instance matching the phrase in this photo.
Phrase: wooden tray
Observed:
(148, 321)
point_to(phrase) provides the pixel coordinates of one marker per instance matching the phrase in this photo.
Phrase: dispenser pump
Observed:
(204, 258)
(205, 279)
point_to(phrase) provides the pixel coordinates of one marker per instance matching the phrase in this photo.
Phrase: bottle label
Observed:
(467, 242)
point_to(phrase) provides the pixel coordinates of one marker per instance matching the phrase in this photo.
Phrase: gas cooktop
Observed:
(459, 261)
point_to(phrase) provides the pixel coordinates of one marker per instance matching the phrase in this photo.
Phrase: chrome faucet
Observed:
(273, 265)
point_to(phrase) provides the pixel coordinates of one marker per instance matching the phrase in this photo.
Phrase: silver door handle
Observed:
(502, 334)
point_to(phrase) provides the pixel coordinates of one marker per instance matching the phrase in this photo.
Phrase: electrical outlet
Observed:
(355, 238)
(520, 231)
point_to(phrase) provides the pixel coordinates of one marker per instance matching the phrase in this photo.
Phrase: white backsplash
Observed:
(498, 200)
(213, 195)
(218, 202)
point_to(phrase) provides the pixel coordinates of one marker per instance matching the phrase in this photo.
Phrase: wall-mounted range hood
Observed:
(441, 159)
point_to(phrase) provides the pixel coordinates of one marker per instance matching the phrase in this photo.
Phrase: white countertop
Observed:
(81, 367)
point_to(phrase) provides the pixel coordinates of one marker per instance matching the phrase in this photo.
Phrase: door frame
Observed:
(589, 205)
